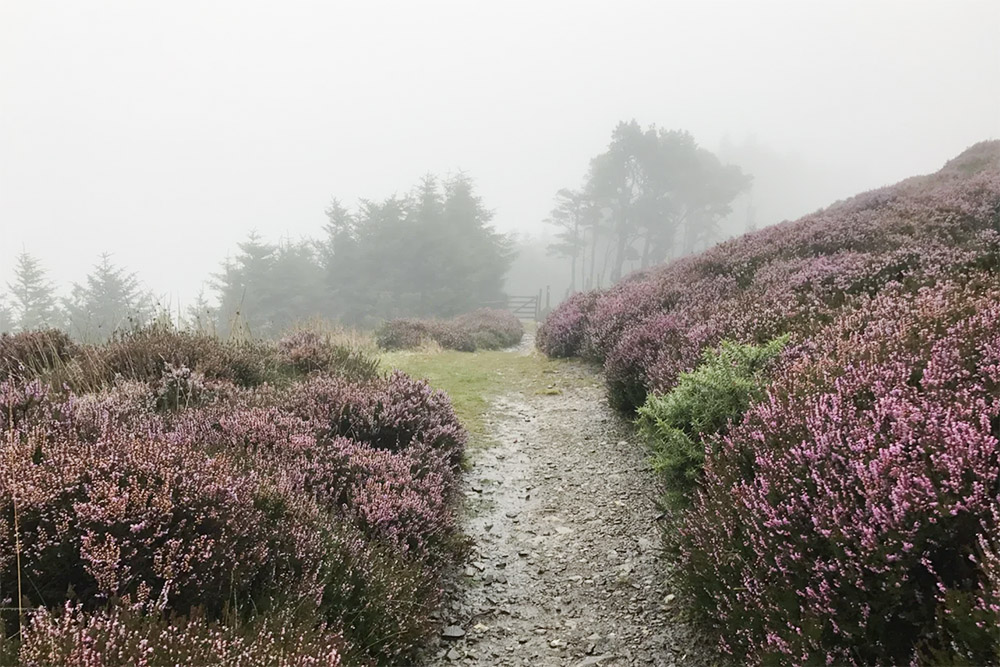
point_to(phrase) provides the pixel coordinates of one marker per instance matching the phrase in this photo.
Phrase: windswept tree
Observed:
(659, 193)
(35, 304)
(620, 179)
(573, 215)
(111, 299)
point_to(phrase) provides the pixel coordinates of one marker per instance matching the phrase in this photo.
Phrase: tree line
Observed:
(109, 299)
(429, 252)
(651, 196)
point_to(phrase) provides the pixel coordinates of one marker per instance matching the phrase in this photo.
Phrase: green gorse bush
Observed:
(705, 402)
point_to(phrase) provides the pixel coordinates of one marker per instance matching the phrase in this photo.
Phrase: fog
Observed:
(164, 132)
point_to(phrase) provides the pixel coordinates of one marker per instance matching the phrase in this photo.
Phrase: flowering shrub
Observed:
(144, 354)
(850, 518)
(483, 329)
(450, 336)
(168, 499)
(395, 497)
(490, 328)
(402, 334)
(641, 361)
(561, 334)
(847, 514)
(307, 352)
(120, 637)
(789, 278)
(396, 413)
(130, 517)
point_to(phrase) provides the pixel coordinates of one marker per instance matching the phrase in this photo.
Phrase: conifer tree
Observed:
(35, 305)
(111, 299)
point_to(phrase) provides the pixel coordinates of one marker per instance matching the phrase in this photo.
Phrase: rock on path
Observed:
(566, 565)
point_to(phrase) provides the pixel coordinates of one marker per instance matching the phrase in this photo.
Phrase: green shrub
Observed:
(704, 403)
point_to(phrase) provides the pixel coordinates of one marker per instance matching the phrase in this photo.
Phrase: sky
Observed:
(163, 132)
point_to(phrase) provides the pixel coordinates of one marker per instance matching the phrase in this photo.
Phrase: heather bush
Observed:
(402, 334)
(561, 334)
(144, 355)
(306, 351)
(483, 329)
(490, 328)
(196, 498)
(381, 602)
(394, 497)
(683, 425)
(638, 358)
(849, 517)
(123, 637)
(617, 310)
(396, 413)
(30, 354)
(132, 517)
(789, 278)
(451, 336)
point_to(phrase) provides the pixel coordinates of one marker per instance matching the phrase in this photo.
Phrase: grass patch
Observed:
(471, 379)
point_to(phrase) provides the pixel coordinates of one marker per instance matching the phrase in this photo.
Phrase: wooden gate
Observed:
(524, 307)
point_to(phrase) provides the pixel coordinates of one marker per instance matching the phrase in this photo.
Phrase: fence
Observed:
(524, 307)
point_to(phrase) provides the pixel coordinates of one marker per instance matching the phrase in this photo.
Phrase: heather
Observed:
(165, 483)
(307, 351)
(483, 329)
(121, 637)
(841, 507)
(848, 518)
(789, 278)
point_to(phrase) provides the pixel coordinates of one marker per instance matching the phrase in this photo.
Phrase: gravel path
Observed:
(566, 565)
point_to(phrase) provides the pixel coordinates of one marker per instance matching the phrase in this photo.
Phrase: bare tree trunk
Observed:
(645, 250)
(616, 272)
(593, 258)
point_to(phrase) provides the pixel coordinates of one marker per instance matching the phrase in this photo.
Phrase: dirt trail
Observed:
(566, 567)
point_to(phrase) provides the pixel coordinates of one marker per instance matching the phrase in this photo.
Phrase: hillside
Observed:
(847, 507)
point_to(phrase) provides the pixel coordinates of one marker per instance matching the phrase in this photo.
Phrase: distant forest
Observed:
(651, 196)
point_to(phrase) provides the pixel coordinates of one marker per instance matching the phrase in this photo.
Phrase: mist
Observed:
(164, 134)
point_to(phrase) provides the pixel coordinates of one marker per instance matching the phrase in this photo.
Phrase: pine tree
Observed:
(35, 303)
(201, 315)
(110, 300)
(241, 286)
